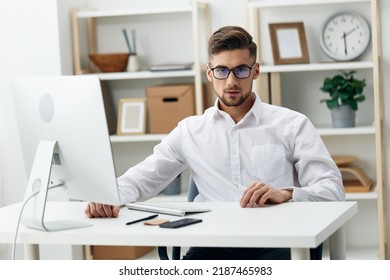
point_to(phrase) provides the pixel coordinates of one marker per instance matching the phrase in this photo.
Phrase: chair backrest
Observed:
(192, 190)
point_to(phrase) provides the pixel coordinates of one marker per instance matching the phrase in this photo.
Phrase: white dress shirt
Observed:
(271, 144)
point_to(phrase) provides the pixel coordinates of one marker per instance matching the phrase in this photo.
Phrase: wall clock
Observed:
(345, 36)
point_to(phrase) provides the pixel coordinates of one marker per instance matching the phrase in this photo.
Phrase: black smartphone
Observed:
(181, 223)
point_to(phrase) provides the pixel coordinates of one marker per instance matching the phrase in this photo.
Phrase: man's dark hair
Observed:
(230, 38)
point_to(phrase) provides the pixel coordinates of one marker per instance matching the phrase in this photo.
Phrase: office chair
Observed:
(315, 253)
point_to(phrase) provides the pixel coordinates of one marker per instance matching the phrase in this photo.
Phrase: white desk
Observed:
(299, 226)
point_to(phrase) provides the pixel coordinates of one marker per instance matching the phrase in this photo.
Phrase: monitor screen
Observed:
(64, 137)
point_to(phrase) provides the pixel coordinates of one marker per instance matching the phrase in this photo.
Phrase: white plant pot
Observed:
(343, 116)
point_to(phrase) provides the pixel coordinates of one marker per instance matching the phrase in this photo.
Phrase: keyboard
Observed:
(168, 210)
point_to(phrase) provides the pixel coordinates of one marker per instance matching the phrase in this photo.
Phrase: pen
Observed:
(140, 220)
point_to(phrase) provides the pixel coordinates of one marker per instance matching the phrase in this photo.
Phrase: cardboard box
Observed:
(119, 252)
(169, 104)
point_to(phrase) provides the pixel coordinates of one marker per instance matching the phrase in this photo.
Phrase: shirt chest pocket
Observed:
(268, 161)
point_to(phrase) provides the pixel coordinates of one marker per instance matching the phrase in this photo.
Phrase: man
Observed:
(239, 150)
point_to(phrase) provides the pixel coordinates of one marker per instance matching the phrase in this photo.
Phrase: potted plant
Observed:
(345, 92)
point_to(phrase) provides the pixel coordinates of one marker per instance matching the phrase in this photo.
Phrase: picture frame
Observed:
(131, 116)
(288, 41)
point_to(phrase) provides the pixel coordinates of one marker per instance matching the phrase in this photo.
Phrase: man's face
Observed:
(233, 91)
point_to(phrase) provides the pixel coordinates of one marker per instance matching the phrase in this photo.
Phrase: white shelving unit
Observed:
(141, 144)
(86, 27)
(193, 9)
(290, 77)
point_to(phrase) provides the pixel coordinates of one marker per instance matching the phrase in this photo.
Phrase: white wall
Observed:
(36, 41)
(31, 45)
(26, 40)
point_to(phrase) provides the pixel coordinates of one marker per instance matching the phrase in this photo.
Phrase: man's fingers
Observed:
(88, 211)
(263, 198)
(248, 198)
(101, 210)
(106, 210)
(110, 211)
(115, 211)
(260, 193)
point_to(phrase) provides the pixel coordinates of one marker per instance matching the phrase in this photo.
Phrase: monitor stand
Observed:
(37, 189)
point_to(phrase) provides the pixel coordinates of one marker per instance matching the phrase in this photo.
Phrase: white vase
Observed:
(133, 64)
(343, 116)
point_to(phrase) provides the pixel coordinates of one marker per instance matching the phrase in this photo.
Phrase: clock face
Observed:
(345, 36)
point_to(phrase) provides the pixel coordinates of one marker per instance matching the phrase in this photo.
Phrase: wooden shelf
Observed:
(90, 13)
(137, 138)
(94, 13)
(326, 66)
(360, 130)
(143, 75)
(372, 195)
(288, 3)
(365, 130)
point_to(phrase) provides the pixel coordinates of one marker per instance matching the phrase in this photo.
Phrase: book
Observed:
(171, 67)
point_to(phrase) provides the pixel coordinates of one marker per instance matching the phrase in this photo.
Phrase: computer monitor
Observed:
(65, 141)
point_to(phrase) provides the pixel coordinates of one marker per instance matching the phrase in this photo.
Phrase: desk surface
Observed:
(293, 224)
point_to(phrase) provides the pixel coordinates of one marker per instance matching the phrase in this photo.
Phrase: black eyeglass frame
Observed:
(232, 70)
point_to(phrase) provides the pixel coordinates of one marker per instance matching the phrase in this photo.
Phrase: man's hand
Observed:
(98, 210)
(260, 193)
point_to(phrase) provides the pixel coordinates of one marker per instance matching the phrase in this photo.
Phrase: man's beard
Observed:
(231, 102)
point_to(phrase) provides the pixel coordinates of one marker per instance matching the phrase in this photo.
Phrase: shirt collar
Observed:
(255, 110)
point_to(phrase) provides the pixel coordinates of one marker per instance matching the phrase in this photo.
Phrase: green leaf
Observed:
(332, 104)
(344, 95)
(360, 98)
(353, 105)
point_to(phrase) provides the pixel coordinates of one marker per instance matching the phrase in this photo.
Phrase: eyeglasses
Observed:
(240, 72)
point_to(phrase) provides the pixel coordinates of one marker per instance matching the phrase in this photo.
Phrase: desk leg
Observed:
(31, 251)
(337, 245)
(300, 253)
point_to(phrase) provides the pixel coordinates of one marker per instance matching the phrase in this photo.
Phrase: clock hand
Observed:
(345, 43)
(349, 32)
(346, 34)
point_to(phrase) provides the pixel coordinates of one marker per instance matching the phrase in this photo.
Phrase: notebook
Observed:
(169, 210)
